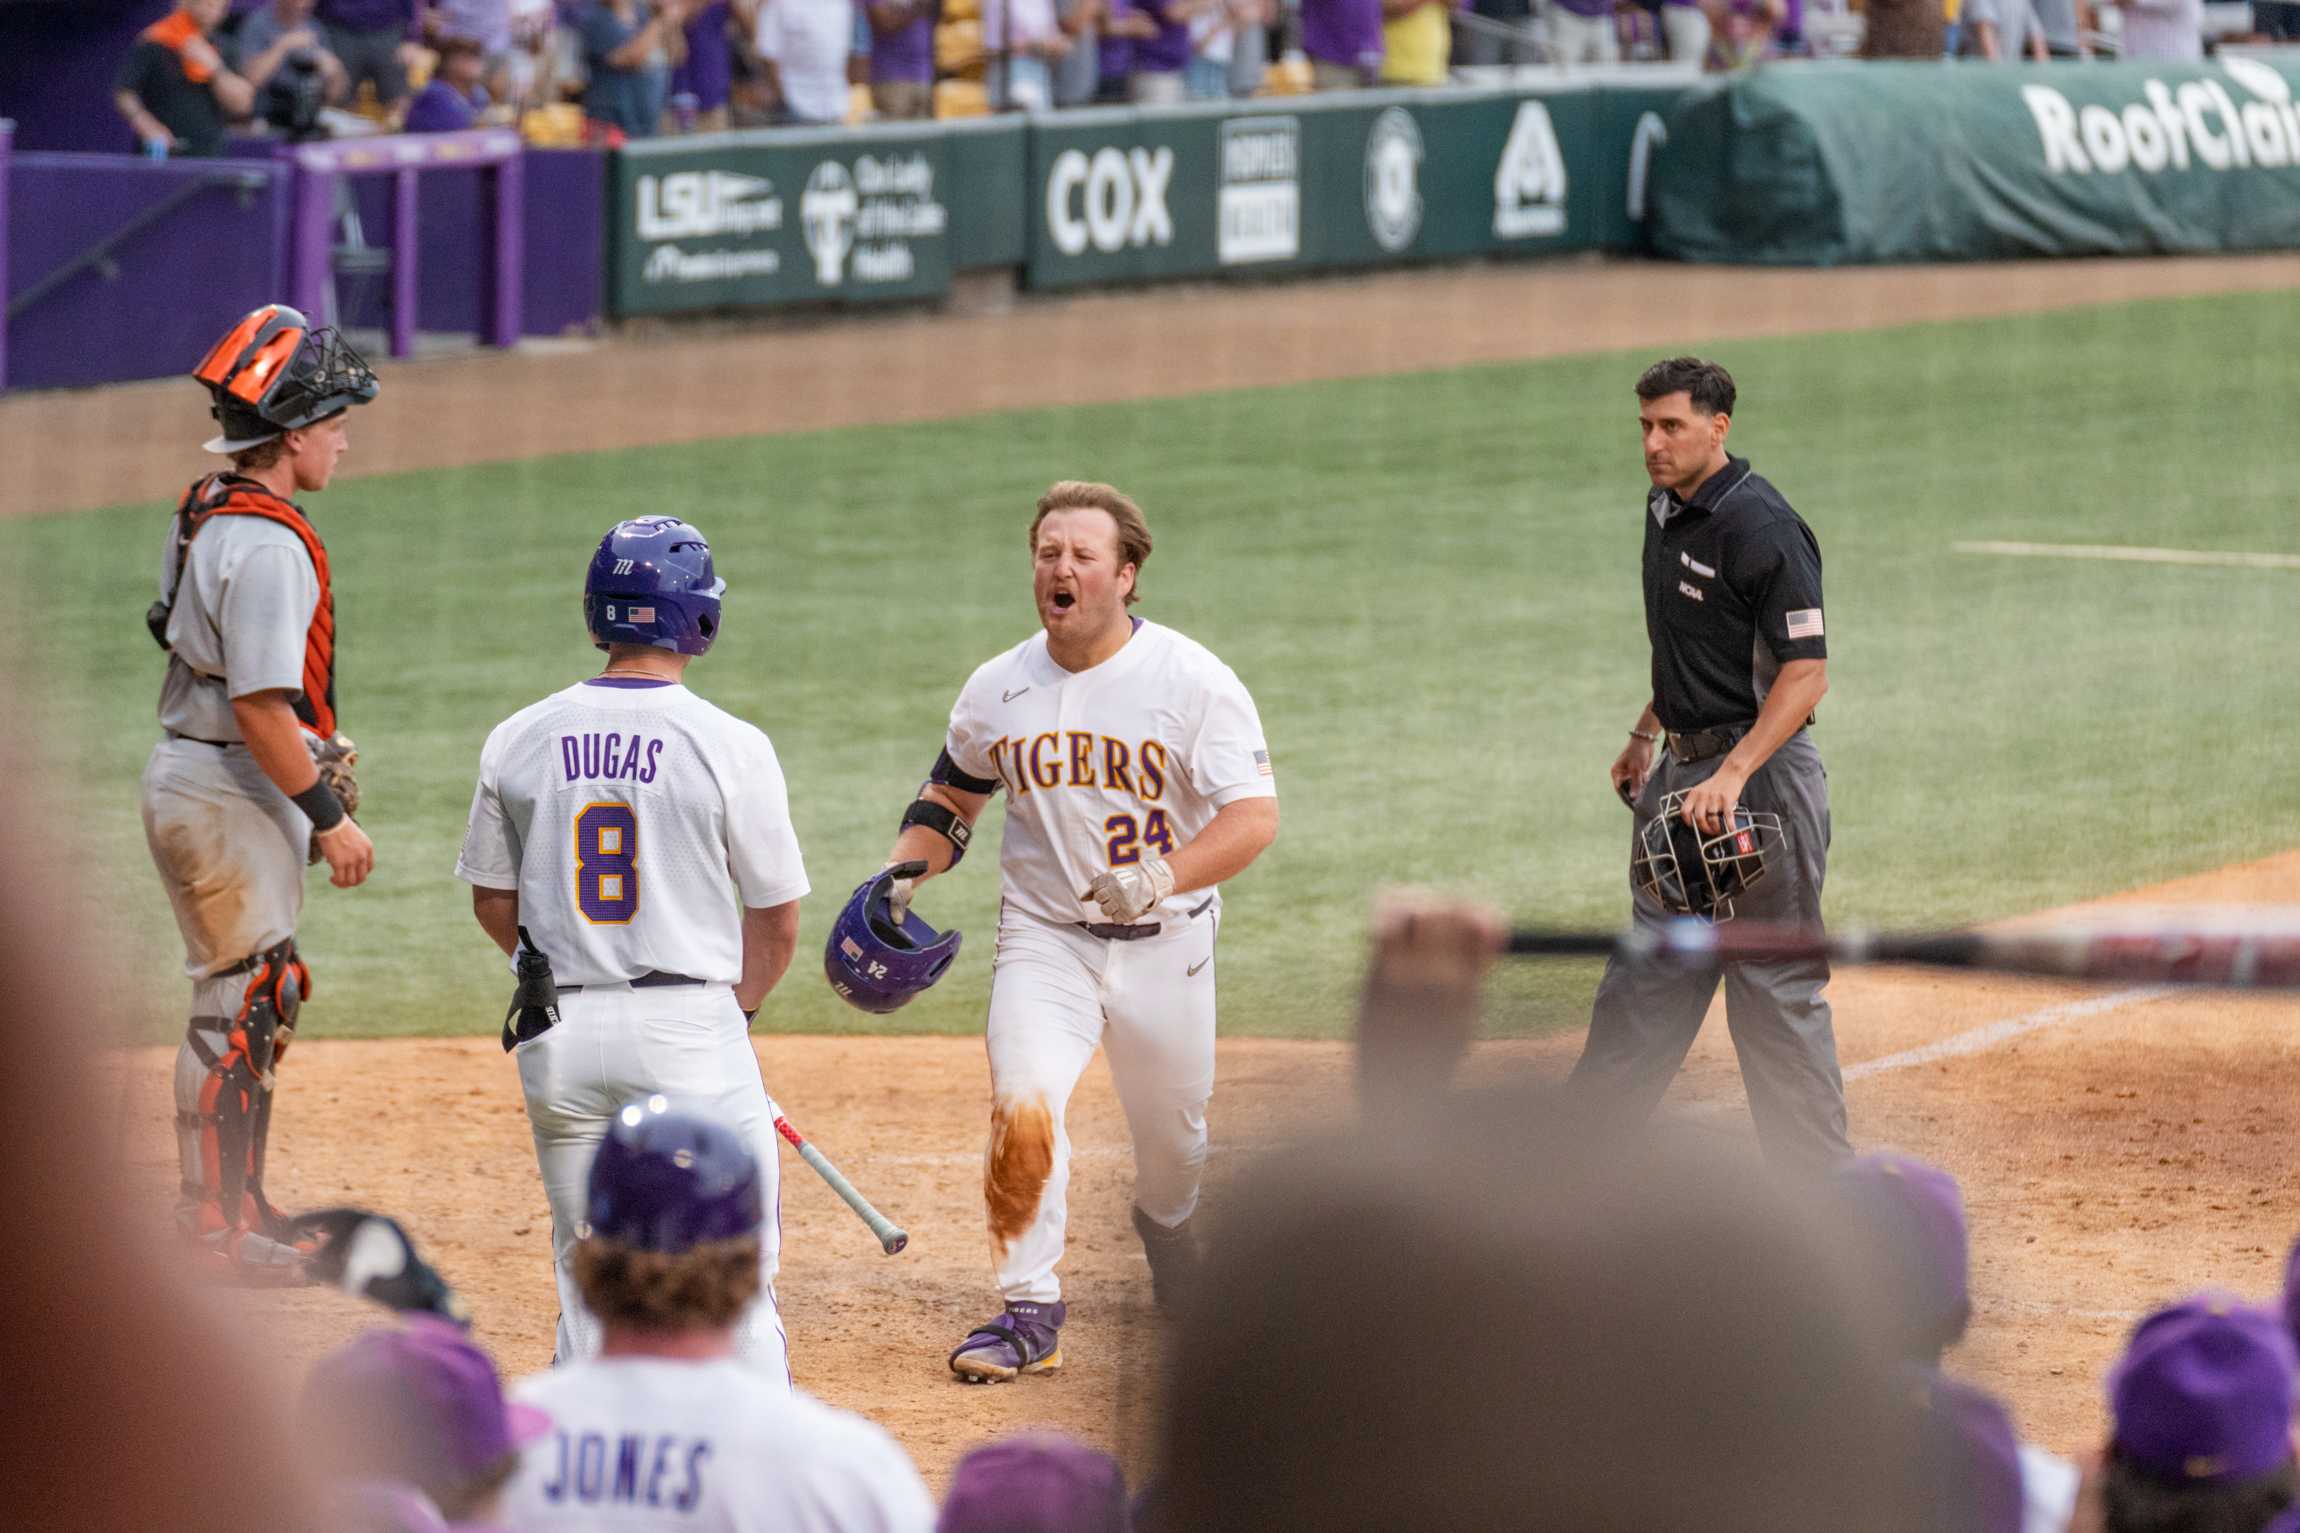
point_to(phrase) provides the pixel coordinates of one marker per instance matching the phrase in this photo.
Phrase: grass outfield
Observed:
(1428, 581)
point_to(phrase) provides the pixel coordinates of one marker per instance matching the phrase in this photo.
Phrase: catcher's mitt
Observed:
(335, 758)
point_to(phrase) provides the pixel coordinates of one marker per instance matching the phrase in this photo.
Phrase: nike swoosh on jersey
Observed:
(1008, 697)
(1200, 964)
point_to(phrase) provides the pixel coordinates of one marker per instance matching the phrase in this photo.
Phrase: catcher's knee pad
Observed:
(232, 1118)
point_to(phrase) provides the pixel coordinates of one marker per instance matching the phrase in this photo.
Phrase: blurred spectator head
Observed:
(1036, 1483)
(1506, 1302)
(1912, 1218)
(418, 1404)
(675, 1211)
(1971, 1449)
(462, 63)
(209, 14)
(2201, 1406)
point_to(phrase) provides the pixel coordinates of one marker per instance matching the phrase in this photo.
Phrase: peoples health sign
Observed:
(739, 220)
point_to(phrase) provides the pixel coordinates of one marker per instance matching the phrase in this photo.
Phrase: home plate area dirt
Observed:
(2112, 1155)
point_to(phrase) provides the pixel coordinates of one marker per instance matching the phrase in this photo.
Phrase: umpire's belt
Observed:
(1701, 744)
(222, 745)
(653, 979)
(1110, 933)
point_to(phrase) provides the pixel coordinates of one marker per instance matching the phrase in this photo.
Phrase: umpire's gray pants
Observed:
(1646, 1015)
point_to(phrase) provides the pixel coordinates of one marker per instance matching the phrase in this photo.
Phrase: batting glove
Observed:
(903, 890)
(1125, 893)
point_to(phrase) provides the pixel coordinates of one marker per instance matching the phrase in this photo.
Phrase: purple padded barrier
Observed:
(165, 292)
(319, 168)
(562, 229)
(7, 146)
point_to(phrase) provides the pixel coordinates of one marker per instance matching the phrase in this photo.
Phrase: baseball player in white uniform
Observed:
(1137, 780)
(666, 1429)
(640, 839)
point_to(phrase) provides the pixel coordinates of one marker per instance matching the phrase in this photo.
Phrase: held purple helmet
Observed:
(651, 583)
(666, 1180)
(875, 965)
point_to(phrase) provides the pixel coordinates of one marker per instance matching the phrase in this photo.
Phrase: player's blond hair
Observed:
(702, 1288)
(1087, 495)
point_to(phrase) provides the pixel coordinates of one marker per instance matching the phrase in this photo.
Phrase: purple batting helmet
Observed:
(666, 1180)
(651, 583)
(876, 965)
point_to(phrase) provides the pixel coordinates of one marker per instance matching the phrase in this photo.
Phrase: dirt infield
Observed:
(137, 442)
(2113, 1155)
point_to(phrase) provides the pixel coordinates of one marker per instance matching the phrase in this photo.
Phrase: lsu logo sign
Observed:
(699, 204)
(1112, 200)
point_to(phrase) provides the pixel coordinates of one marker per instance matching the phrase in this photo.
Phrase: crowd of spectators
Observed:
(1473, 1309)
(604, 71)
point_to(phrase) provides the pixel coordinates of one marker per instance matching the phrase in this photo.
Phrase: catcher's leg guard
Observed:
(231, 1075)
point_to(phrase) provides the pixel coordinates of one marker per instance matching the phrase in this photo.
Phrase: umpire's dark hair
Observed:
(2139, 1502)
(1511, 1311)
(1707, 383)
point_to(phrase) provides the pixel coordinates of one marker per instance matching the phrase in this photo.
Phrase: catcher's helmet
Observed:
(875, 965)
(651, 583)
(665, 1180)
(1693, 874)
(272, 372)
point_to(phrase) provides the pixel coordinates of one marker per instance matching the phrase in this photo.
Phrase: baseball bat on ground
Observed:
(891, 1236)
(2241, 950)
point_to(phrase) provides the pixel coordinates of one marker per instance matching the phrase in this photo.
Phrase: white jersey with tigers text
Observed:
(1102, 767)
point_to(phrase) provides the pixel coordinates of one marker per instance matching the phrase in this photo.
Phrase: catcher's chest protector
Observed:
(231, 495)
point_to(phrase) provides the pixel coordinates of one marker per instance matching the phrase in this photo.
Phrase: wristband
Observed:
(943, 821)
(322, 806)
(1640, 734)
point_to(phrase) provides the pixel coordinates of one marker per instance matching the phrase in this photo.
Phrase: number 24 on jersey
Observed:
(1126, 838)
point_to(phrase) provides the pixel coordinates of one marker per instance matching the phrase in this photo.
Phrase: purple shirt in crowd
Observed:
(906, 53)
(440, 108)
(369, 15)
(708, 71)
(1168, 52)
(1344, 32)
(1596, 10)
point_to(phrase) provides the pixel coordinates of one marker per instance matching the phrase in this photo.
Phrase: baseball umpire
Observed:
(250, 781)
(1733, 820)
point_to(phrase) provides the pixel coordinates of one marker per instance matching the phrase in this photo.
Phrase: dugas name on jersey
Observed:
(608, 757)
(1080, 758)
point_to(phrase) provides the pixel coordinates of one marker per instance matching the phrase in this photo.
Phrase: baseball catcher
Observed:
(250, 780)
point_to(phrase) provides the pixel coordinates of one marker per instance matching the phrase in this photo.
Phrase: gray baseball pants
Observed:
(1646, 1015)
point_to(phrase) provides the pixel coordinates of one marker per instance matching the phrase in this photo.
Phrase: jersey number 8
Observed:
(607, 864)
(1127, 840)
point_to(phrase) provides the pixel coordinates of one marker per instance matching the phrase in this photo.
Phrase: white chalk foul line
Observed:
(1974, 1040)
(2120, 553)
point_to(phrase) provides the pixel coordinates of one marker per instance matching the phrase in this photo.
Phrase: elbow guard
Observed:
(943, 821)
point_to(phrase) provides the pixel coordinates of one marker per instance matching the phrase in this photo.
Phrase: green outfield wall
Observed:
(1830, 164)
(1130, 195)
(1799, 164)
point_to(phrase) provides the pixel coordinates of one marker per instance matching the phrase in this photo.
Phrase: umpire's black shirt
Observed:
(1732, 593)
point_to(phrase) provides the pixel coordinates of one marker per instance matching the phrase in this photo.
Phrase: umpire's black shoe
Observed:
(1173, 1257)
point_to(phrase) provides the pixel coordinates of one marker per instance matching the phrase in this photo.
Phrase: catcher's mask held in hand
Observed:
(1692, 873)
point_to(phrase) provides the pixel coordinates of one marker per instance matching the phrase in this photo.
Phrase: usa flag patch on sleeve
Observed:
(1805, 623)
(1262, 763)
